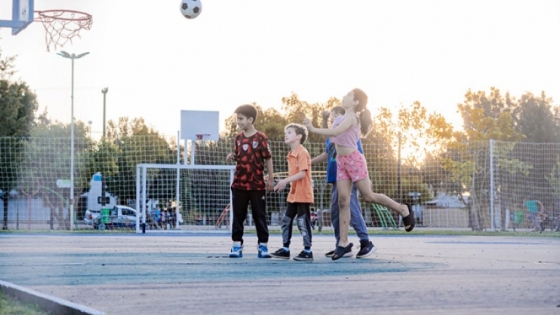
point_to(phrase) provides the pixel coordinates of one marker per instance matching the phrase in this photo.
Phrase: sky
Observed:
(156, 63)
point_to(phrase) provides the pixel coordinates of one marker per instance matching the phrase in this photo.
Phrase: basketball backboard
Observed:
(197, 124)
(22, 15)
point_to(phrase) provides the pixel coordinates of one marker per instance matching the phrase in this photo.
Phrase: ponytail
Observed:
(361, 109)
(365, 122)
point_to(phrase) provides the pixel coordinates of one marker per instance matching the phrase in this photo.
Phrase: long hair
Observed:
(364, 114)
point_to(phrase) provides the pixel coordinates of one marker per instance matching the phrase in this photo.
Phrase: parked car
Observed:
(119, 217)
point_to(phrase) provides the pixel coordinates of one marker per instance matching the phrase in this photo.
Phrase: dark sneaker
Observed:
(346, 255)
(340, 251)
(366, 248)
(304, 256)
(281, 253)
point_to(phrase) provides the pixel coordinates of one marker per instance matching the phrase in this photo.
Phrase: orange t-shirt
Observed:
(300, 190)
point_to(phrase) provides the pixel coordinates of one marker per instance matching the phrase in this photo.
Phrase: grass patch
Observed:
(326, 231)
(12, 306)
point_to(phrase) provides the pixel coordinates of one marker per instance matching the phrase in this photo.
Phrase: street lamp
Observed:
(104, 91)
(89, 124)
(71, 205)
(104, 201)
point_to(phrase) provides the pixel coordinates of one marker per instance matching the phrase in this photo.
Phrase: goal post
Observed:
(199, 194)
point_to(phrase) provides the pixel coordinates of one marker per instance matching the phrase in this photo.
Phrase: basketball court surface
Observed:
(191, 274)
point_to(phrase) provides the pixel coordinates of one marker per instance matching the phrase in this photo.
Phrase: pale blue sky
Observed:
(157, 63)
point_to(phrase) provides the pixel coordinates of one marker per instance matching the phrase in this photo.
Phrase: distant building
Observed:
(443, 200)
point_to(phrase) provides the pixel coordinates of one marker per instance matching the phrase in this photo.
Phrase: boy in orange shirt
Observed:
(300, 196)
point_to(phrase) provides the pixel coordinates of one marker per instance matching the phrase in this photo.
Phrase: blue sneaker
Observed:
(263, 251)
(236, 252)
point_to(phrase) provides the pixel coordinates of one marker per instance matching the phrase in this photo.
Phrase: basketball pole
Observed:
(103, 190)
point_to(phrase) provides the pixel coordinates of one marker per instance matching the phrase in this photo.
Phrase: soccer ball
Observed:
(191, 8)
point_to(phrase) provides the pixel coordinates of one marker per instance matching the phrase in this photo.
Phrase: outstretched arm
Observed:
(326, 114)
(321, 158)
(344, 125)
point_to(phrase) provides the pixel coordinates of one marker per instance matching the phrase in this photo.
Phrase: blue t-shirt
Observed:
(331, 159)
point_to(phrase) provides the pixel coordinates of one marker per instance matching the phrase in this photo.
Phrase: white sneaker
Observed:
(263, 251)
(236, 252)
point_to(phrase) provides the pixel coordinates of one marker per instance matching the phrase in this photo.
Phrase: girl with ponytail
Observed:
(352, 167)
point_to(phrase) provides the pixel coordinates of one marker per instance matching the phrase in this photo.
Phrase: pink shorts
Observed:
(352, 166)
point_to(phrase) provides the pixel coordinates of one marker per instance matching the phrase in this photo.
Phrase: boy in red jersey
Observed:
(251, 151)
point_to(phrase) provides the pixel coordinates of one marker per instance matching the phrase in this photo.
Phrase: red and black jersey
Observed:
(251, 153)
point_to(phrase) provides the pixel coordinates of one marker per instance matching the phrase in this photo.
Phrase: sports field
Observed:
(190, 274)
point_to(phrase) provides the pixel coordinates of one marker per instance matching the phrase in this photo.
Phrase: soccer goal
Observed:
(177, 197)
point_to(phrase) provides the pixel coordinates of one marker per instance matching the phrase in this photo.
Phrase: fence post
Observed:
(492, 227)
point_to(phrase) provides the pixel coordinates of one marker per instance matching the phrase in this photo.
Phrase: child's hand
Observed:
(269, 182)
(307, 123)
(280, 186)
(231, 157)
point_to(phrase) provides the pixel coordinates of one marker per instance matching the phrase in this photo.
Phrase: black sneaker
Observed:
(346, 255)
(304, 256)
(366, 248)
(281, 253)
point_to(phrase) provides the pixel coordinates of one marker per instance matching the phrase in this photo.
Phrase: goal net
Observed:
(190, 197)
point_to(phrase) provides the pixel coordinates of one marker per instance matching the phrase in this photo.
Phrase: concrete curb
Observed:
(46, 302)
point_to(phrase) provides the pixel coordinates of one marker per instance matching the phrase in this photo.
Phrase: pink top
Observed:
(348, 138)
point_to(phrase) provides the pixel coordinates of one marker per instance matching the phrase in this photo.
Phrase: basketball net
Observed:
(63, 25)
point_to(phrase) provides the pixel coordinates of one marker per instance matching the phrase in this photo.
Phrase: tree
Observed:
(47, 159)
(269, 121)
(418, 138)
(17, 112)
(534, 118)
(296, 110)
(485, 118)
(137, 143)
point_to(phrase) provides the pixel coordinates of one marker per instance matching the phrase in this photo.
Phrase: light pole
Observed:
(71, 203)
(103, 200)
(90, 123)
(104, 91)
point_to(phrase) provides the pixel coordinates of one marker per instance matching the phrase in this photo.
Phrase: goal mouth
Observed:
(62, 26)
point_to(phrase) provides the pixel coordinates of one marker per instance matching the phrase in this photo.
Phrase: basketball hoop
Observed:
(63, 25)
